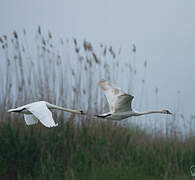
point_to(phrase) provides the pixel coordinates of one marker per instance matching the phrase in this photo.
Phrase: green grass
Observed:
(91, 151)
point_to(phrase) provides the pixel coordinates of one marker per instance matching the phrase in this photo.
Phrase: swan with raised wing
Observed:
(120, 103)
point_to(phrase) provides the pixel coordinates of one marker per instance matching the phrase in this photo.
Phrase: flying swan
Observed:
(40, 111)
(120, 103)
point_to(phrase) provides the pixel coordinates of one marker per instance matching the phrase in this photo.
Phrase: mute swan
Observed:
(120, 103)
(40, 111)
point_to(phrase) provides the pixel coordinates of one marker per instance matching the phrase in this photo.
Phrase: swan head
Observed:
(165, 111)
(82, 112)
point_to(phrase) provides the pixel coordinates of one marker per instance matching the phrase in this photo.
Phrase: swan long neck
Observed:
(52, 106)
(147, 112)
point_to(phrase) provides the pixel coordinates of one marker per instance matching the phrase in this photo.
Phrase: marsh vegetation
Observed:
(65, 72)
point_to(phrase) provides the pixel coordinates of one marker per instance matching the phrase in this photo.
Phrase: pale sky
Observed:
(163, 31)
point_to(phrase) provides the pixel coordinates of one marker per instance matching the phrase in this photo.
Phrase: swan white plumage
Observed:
(40, 111)
(120, 103)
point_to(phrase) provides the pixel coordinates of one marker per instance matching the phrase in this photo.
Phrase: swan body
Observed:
(40, 111)
(120, 103)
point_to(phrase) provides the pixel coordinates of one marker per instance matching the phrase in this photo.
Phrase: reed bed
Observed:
(50, 69)
(65, 72)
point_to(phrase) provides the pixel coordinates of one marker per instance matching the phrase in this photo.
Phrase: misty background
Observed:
(163, 33)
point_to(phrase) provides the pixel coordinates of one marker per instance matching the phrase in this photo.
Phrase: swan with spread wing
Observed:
(120, 103)
(40, 111)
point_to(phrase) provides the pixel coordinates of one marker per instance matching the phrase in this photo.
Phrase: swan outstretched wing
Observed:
(123, 103)
(118, 100)
(30, 119)
(41, 112)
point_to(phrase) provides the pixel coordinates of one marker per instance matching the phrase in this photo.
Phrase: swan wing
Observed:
(30, 119)
(116, 98)
(123, 103)
(41, 112)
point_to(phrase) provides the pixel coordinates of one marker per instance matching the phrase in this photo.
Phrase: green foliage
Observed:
(92, 150)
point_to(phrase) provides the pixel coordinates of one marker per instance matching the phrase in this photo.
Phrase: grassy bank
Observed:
(91, 151)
